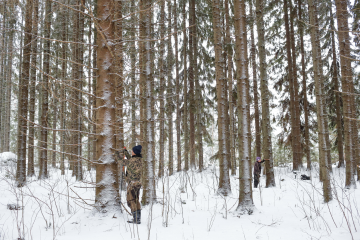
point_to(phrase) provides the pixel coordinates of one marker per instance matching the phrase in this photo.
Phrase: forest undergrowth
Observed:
(187, 207)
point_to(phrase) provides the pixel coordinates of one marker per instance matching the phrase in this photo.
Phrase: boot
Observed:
(134, 218)
(138, 217)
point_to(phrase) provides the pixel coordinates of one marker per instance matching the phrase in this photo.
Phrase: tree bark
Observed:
(230, 88)
(149, 193)
(298, 150)
(23, 98)
(31, 169)
(265, 96)
(303, 73)
(246, 203)
(198, 103)
(177, 86)
(106, 192)
(133, 55)
(347, 83)
(324, 147)
(185, 74)
(294, 137)
(339, 120)
(161, 90)
(224, 180)
(170, 104)
(191, 85)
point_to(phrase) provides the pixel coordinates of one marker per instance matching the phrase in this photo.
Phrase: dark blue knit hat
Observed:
(137, 149)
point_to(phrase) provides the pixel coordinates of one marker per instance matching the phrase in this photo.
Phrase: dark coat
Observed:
(257, 169)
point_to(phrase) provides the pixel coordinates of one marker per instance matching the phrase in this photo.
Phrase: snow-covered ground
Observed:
(61, 208)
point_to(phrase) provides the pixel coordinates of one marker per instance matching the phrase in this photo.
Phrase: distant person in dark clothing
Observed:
(257, 170)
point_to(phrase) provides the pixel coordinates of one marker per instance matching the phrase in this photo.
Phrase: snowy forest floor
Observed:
(190, 209)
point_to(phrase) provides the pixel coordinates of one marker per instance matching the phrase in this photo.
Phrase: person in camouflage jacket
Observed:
(133, 179)
(257, 170)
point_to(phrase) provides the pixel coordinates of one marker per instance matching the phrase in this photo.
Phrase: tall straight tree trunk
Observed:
(177, 86)
(23, 98)
(119, 61)
(265, 95)
(170, 101)
(199, 114)
(255, 87)
(152, 87)
(90, 137)
(337, 97)
(347, 82)
(75, 114)
(246, 203)
(12, 23)
(55, 110)
(81, 74)
(31, 169)
(162, 90)
(63, 78)
(94, 84)
(303, 73)
(294, 137)
(133, 55)
(149, 194)
(3, 74)
(298, 150)
(230, 88)
(191, 85)
(224, 181)
(107, 185)
(185, 74)
(320, 101)
(142, 62)
(45, 100)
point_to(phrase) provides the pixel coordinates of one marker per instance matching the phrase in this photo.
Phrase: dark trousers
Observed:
(256, 181)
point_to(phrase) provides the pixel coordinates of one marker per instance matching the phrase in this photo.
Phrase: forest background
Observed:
(193, 82)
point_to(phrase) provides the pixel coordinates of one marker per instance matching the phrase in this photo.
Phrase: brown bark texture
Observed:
(106, 192)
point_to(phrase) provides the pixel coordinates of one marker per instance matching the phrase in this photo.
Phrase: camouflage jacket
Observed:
(134, 168)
